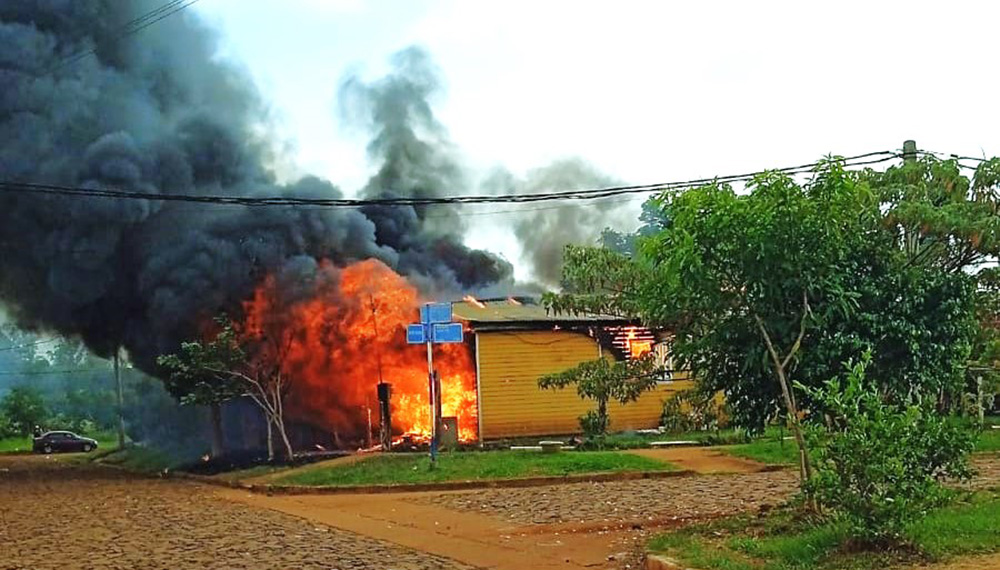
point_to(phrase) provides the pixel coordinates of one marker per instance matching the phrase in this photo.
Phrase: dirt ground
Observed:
(702, 460)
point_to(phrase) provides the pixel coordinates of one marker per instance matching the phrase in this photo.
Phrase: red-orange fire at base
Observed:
(349, 333)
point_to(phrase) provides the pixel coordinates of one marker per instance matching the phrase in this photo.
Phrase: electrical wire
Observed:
(132, 27)
(587, 194)
(26, 345)
(52, 372)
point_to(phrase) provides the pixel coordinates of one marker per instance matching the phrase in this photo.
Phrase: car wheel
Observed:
(47, 448)
(86, 448)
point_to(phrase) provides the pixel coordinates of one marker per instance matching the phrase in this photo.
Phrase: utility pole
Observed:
(383, 391)
(434, 388)
(121, 398)
(909, 157)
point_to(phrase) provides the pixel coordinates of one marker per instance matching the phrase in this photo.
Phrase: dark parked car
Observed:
(56, 441)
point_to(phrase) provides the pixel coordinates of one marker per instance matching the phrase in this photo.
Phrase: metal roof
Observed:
(514, 310)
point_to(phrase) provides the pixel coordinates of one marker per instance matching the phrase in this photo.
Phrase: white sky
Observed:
(646, 91)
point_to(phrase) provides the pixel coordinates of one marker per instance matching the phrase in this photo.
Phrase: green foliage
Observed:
(782, 541)
(466, 466)
(878, 462)
(24, 409)
(692, 410)
(844, 259)
(6, 427)
(599, 281)
(235, 363)
(603, 380)
(196, 375)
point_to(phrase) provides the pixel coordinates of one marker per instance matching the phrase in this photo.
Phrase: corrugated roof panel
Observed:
(514, 310)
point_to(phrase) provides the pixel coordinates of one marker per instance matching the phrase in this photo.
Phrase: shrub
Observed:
(879, 463)
(604, 381)
(6, 427)
(692, 410)
(25, 409)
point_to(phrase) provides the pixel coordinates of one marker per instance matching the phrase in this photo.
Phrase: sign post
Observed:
(435, 327)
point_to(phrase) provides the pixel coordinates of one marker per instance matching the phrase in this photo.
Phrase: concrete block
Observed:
(679, 443)
(660, 562)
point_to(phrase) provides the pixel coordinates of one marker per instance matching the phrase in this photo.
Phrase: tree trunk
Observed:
(791, 408)
(270, 438)
(284, 439)
(218, 443)
(805, 465)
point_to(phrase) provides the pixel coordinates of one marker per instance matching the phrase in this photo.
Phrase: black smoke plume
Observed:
(158, 112)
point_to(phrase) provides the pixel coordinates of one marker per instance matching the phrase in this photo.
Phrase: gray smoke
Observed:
(157, 112)
(543, 233)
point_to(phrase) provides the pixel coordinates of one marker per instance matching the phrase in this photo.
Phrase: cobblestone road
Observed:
(52, 516)
(652, 499)
(628, 501)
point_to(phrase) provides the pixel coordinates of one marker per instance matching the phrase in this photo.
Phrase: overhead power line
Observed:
(586, 194)
(52, 372)
(131, 27)
(28, 344)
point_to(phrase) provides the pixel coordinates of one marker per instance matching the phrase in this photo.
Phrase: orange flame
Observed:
(473, 301)
(635, 347)
(350, 334)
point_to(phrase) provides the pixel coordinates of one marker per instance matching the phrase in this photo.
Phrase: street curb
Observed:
(443, 486)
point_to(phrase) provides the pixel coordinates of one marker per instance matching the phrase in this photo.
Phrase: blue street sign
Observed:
(416, 334)
(435, 313)
(446, 332)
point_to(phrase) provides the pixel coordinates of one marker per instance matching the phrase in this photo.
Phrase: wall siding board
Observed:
(512, 404)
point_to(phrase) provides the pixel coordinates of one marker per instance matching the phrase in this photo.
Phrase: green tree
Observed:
(237, 363)
(603, 380)
(192, 384)
(878, 462)
(777, 284)
(24, 408)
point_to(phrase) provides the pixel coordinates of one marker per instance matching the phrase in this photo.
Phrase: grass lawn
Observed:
(105, 440)
(989, 440)
(463, 466)
(776, 452)
(768, 451)
(134, 458)
(633, 440)
(252, 472)
(15, 444)
(777, 542)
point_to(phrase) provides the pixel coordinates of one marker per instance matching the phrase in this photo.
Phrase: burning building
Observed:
(348, 335)
(87, 108)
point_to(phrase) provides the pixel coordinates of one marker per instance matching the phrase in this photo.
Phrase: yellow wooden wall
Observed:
(512, 404)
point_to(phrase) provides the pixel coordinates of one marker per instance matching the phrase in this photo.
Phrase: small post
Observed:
(909, 150)
(121, 399)
(385, 424)
(368, 407)
(432, 391)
